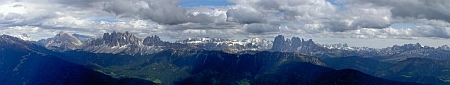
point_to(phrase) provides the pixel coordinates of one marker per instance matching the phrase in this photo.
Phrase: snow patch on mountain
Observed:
(23, 36)
(229, 45)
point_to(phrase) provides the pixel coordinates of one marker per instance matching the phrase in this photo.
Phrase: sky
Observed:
(371, 23)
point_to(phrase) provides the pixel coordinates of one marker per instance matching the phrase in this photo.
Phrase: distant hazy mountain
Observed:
(23, 36)
(228, 45)
(117, 42)
(346, 47)
(414, 51)
(156, 41)
(61, 42)
(128, 43)
(81, 37)
(444, 47)
(308, 47)
(394, 54)
(23, 62)
(397, 52)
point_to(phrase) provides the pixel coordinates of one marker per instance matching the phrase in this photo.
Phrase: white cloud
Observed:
(319, 18)
(420, 9)
(245, 15)
(262, 28)
(34, 33)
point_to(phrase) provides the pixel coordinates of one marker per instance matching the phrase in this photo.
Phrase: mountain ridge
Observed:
(128, 43)
(187, 66)
(23, 62)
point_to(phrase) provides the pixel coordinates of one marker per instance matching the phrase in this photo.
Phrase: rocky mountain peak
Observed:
(117, 39)
(61, 33)
(282, 44)
(153, 40)
(406, 47)
(6, 39)
(444, 47)
(117, 42)
(279, 43)
(61, 42)
(65, 37)
(25, 37)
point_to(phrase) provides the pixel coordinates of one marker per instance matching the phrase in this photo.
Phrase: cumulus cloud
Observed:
(82, 19)
(361, 16)
(245, 15)
(435, 32)
(33, 33)
(321, 18)
(187, 26)
(421, 9)
(262, 28)
(329, 16)
(44, 21)
(389, 33)
(161, 11)
(16, 14)
(292, 9)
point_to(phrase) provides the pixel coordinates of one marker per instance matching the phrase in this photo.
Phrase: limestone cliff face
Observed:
(117, 42)
(296, 44)
(116, 39)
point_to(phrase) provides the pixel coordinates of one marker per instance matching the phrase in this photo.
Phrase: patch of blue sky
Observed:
(283, 25)
(281, 14)
(194, 3)
(334, 2)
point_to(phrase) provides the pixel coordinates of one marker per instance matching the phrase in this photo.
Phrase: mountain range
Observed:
(125, 57)
(25, 63)
(128, 43)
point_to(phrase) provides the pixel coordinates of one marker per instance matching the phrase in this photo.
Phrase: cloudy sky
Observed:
(373, 23)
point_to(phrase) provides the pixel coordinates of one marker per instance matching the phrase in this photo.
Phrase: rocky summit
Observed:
(296, 44)
(117, 42)
(61, 42)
